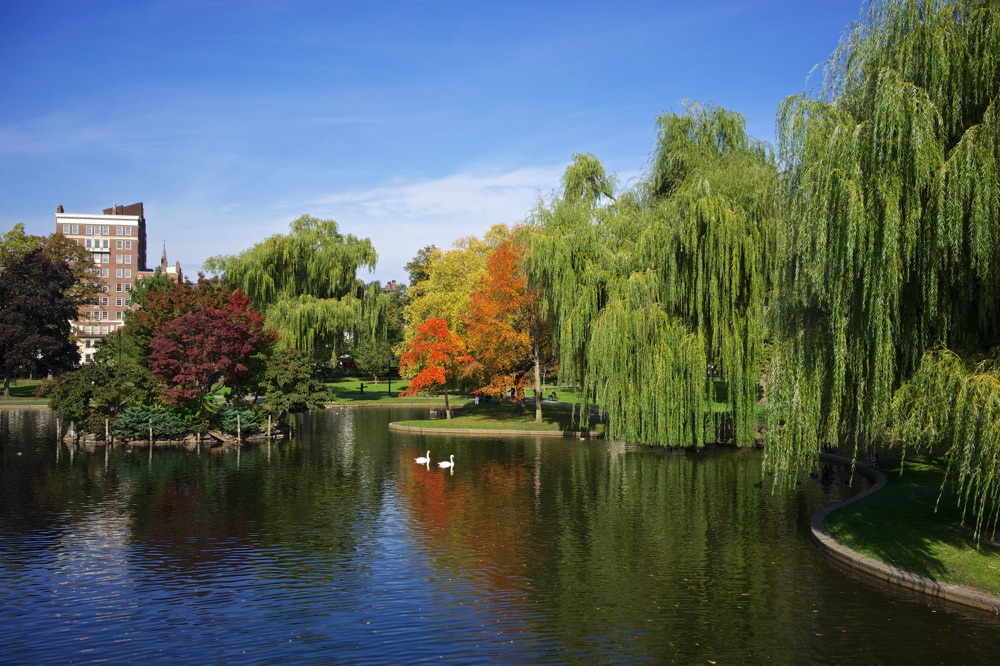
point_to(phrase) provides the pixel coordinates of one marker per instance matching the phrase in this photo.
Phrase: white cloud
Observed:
(402, 217)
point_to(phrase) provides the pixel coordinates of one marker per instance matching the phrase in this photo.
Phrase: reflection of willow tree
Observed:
(684, 545)
(648, 290)
(893, 237)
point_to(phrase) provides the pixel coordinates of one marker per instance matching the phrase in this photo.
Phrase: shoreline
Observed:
(828, 545)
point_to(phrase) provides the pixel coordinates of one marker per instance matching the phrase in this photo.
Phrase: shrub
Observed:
(135, 422)
(249, 420)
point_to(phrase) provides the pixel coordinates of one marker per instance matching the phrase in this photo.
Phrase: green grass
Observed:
(24, 393)
(899, 526)
(492, 416)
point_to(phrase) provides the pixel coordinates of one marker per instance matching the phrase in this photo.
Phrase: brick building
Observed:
(117, 242)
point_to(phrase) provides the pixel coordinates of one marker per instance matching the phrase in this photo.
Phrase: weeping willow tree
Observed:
(305, 282)
(893, 233)
(649, 290)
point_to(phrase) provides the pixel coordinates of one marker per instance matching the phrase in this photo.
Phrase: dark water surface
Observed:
(337, 548)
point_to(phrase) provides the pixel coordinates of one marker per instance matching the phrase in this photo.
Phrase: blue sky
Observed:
(409, 123)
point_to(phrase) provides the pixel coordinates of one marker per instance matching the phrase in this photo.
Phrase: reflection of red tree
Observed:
(476, 518)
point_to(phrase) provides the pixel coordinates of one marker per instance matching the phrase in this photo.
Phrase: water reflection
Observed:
(335, 545)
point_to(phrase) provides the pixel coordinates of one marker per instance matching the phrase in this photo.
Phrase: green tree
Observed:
(419, 268)
(647, 290)
(374, 358)
(304, 282)
(891, 246)
(290, 383)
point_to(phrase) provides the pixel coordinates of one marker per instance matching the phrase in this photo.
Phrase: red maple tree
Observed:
(213, 345)
(440, 357)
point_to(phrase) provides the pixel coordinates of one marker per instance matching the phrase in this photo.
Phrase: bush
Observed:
(249, 420)
(135, 422)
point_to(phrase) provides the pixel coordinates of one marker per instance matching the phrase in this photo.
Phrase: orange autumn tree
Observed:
(504, 326)
(439, 357)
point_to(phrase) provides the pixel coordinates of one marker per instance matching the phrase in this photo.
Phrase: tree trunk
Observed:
(536, 352)
(6, 385)
(447, 407)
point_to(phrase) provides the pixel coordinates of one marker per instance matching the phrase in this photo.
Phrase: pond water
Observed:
(337, 547)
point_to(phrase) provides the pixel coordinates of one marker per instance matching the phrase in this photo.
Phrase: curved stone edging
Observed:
(561, 434)
(23, 406)
(886, 572)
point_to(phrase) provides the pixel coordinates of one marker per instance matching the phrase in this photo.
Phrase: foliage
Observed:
(134, 423)
(892, 235)
(208, 347)
(238, 420)
(646, 291)
(438, 358)
(418, 268)
(374, 358)
(101, 389)
(305, 282)
(37, 304)
(453, 276)
(954, 405)
(504, 326)
(290, 383)
(162, 300)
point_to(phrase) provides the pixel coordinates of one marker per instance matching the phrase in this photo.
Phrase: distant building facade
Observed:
(116, 240)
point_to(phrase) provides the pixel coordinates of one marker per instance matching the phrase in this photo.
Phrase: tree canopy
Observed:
(673, 275)
(305, 282)
(891, 244)
(43, 282)
(504, 327)
(437, 357)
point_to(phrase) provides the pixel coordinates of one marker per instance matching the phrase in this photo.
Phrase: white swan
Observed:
(423, 460)
(447, 463)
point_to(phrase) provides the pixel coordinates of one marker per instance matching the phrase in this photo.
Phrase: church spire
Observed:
(163, 258)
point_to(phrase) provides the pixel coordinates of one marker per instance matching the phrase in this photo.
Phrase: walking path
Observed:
(855, 560)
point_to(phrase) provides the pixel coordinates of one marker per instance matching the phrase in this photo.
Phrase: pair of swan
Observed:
(426, 460)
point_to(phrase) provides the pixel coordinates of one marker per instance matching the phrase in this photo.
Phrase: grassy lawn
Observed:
(24, 393)
(348, 390)
(898, 525)
(493, 416)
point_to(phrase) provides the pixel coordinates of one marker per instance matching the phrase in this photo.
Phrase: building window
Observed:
(105, 273)
(118, 243)
(104, 300)
(107, 230)
(128, 302)
(118, 259)
(104, 287)
(128, 231)
(87, 244)
(89, 230)
(118, 231)
(118, 315)
(128, 245)
(66, 229)
(128, 272)
(76, 229)
(104, 316)
(128, 258)
(105, 245)
(118, 272)
(118, 286)
(128, 286)
(107, 258)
